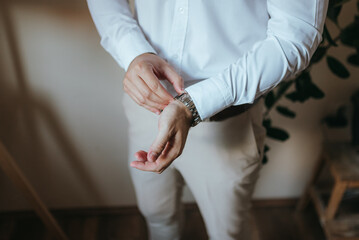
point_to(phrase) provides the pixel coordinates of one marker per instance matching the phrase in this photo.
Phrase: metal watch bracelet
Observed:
(186, 99)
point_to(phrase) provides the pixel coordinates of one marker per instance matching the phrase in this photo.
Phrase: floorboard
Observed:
(269, 223)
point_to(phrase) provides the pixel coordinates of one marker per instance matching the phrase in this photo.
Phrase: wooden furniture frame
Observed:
(343, 163)
(11, 169)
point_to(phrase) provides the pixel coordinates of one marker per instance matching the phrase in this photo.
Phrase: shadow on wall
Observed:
(21, 113)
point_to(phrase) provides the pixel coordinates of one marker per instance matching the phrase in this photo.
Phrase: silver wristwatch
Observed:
(186, 99)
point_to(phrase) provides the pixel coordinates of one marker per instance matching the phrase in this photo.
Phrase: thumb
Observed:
(174, 78)
(158, 145)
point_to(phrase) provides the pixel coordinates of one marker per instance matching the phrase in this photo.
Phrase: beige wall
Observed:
(63, 121)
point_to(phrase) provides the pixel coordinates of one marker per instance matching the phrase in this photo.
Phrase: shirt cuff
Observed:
(130, 46)
(210, 97)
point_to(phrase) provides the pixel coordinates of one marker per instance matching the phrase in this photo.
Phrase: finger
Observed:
(135, 95)
(144, 94)
(153, 99)
(174, 78)
(169, 154)
(153, 83)
(144, 165)
(158, 145)
(141, 85)
(141, 155)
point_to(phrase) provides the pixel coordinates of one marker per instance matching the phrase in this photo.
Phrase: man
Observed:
(212, 55)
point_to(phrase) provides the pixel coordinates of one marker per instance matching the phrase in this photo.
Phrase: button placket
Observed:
(179, 33)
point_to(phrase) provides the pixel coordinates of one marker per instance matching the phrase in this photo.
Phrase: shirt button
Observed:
(175, 56)
(181, 10)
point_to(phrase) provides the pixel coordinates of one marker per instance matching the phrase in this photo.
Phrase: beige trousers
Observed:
(220, 164)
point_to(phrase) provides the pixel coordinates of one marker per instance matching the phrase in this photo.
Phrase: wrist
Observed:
(186, 100)
(186, 113)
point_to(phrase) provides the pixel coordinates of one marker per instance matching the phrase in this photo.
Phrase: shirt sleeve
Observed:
(120, 33)
(294, 32)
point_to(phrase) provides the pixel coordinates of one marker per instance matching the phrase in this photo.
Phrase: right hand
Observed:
(173, 126)
(142, 82)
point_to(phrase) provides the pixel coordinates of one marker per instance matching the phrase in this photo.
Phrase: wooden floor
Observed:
(269, 223)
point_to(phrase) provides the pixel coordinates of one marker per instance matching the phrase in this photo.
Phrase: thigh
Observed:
(220, 164)
(158, 195)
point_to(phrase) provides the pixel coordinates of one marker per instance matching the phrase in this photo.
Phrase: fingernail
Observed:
(153, 156)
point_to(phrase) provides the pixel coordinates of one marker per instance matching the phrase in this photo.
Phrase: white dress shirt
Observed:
(228, 52)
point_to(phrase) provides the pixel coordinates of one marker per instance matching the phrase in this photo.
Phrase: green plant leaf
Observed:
(337, 67)
(319, 54)
(283, 87)
(277, 133)
(338, 120)
(298, 96)
(265, 159)
(326, 35)
(286, 112)
(293, 96)
(335, 3)
(305, 89)
(354, 59)
(315, 92)
(266, 148)
(274, 132)
(303, 81)
(350, 35)
(267, 123)
(269, 99)
(303, 85)
(333, 13)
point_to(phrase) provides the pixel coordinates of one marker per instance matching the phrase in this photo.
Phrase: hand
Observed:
(142, 82)
(173, 126)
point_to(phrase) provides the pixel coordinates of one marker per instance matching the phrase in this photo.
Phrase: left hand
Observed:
(173, 126)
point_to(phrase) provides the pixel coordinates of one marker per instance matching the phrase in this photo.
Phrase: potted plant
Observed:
(304, 86)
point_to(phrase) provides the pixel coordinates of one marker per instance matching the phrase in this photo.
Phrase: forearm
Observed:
(292, 38)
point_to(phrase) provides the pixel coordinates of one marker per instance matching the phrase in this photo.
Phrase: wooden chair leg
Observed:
(11, 169)
(335, 198)
(304, 200)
